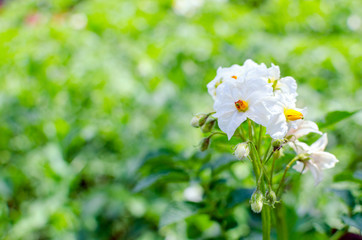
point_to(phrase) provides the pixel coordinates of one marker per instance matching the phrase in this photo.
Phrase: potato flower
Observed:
(237, 101)
(314, 158)
(233, 73)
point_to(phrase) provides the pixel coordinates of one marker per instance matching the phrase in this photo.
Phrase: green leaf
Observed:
(334, 117)
(355, 221)
(220, 163)
(239, 196)
(169, 175)
(177, 211)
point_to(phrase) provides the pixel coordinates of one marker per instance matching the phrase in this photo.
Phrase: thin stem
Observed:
(260, 137)
(266, 222)
(261, 165)
(337, 235)
(267, 151)
(280, 223)
(272, 170)
(285, 172)
(241, 133)
(214, 133)
(254, 132)
(253, 159)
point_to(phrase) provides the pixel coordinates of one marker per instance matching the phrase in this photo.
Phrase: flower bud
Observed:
(271, 197)
(194, 193)
(277, 144)
(208, 125)
(256, 201)
(241, 150)
(204, 145)
(199, 119)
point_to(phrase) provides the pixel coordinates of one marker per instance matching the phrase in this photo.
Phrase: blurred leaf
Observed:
(346, 195)
(177, 211)
(169, 175)
(355, 221)
(334, 117)
(239, 196)
(347, 176)
(220, 163)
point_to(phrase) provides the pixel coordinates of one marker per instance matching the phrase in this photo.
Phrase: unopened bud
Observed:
(208, 125)
(199, 119)
(256, 201)
(271, 197)
(277, 144)
(204, 145)
(242, 150)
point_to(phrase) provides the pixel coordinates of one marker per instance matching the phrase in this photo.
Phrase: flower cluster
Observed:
(259, 93)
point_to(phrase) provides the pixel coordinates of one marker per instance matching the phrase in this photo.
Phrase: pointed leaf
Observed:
(334, 117)
(177, 211)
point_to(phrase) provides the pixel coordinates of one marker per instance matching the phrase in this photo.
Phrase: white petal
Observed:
(288, 85)
(229, 122)
(299, 147)
(299, 166)
(316, 172)
(274, 72)
(303, 128)
(277, 126)
(324, 160)
(320, 144)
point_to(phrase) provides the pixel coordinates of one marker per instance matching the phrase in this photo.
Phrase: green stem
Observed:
(252, 156)
(267, 152)
(241, 133)
(261, 165)
(266, 222)
(337, 235)
(272, 170)
(261, 130)
(285, 172)
(280, 223)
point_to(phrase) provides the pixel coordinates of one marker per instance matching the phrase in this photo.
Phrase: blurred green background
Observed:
(91, 90)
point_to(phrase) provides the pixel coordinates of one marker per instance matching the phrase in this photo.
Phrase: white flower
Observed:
(271, 76)
(303, 128)
(241, 150)
(193, 193)
(317, 158)
(284, 115)
(233, 73)
(237, 101)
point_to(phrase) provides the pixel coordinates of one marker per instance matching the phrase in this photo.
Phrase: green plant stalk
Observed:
(285, 172)
(266, 222)
(252, 156)
(265, 213)
(280, 223)
(261, 130)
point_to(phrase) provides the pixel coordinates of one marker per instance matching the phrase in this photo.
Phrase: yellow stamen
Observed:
(292, 115)
(241, 105)
(218, 83)
(235, 77)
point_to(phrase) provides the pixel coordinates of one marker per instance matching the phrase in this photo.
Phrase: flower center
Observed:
(218, 83)
(241, 105)
(292, 115)
(235, 77)
(274, 82)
